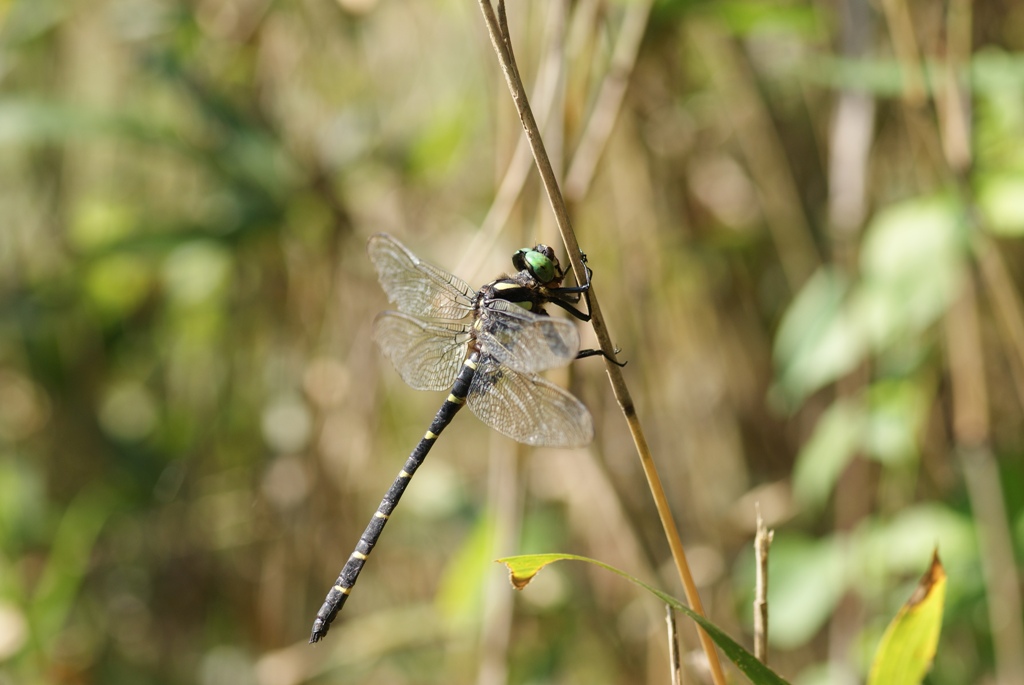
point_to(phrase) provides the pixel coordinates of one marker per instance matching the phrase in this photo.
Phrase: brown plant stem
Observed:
(609, 101)
(904, 44)
(497, 28)
(673, 646)
(505, 492)
(544, 96)
(762, 544)
(1006, 305)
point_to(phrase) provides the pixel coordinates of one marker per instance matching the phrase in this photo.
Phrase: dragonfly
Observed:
(487, 347)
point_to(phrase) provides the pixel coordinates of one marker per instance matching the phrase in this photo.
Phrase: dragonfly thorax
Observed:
(521, 289)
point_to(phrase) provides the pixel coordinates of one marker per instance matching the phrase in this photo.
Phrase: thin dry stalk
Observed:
(609, 101)
(762, 544)
(1006, 304)
(497, 27)
(545, 89)
(505, 492)
(953, 103)
(673, 646)
(904, 44)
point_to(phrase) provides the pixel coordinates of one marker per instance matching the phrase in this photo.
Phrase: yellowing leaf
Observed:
(908, 646)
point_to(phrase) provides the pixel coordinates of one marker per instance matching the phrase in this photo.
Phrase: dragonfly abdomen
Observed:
(335, 599)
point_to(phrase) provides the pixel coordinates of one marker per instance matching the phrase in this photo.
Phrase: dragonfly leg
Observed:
(575, 289)
(567, 297)
(600, 353)
(567, 306)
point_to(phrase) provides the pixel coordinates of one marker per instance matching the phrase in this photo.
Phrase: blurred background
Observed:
(804, 221)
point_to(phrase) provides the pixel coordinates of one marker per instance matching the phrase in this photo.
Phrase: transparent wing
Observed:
(528, 408)
(525, 341)
(416, 287)
(427, 354)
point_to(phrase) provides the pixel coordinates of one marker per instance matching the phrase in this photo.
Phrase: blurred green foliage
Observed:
(195, 425)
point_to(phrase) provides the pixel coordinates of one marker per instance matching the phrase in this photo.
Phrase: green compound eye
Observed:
(540, 261)
(540, 265)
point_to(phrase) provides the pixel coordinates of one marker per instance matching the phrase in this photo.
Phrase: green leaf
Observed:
(196, 272)
(460, 593)
(1001, 199)
(441, 142)
(119, 283)
(899, 409)
(522, 570)
(912, 262)
(992, 72)
(881, 77)
(1018, 529)
(745, 17)
(896, 545)
(908, 646)
(97, 223)
(817, 342)
(809, 576)
(28, 121)
(835, 440)
(22, 513)
(68, 562)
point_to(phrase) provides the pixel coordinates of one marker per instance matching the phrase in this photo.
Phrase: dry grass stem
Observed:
(505, 493)
(545, 89)
(762, 545)
(953, 99)
(673, 646)
(904, 44)
(609, 102)
(1007, 305)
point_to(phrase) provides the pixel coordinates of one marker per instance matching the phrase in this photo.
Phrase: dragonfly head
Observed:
(541, 262)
